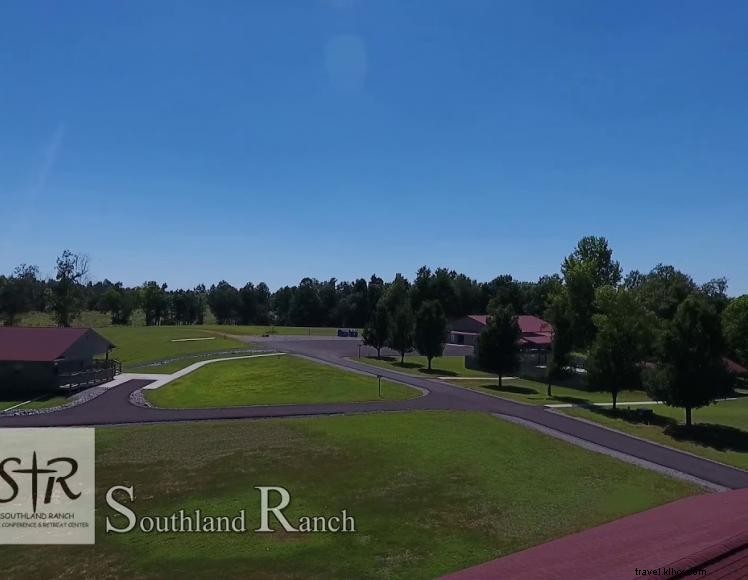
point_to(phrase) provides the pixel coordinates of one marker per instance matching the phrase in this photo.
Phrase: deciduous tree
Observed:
(377, 330)
(559, 317)
(735, 325)
(402, 331)
(431, 330)
(153, 300)
(580, 289)
(690, 371)
(662, 290)
(119, 304)
(622, 341)
(17, 292)
(306, 307)
(71, 271)
(597, 256)
(498, 345)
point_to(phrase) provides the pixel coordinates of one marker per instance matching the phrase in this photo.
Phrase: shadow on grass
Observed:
(407, 365)
(396, 362)
(574, 401)
(383, 358)
(437, 372)
(635, 416)
(720, 437)
(509, 389)
(414, 365)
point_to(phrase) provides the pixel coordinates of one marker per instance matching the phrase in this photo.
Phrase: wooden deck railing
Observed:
(102, 371)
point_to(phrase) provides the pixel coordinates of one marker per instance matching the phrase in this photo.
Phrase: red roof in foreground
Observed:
(38, 344)
(706, 531)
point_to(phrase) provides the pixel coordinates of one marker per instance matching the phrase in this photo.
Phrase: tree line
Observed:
(648, 330)
(658, 331)
(310, 303)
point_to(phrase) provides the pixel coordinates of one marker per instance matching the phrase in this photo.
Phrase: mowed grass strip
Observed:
(137, 345)
(272, 380)
(446, 366)
(431, 492)
(720, 431)
(536, 393)
(259, 330)
(46, 402)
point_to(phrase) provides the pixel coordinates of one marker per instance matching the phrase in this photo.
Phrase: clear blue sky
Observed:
(192, 141)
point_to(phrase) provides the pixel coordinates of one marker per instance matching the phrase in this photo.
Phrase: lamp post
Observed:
(379, 379)
(359, 351)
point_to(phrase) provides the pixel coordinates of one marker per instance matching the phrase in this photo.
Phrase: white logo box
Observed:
(47, 486)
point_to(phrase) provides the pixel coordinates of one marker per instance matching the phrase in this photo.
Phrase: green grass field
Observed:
(280, 330)
(535, 393)
(97, 319)
(44, 403)
(446, 366)
(273, 380)
(137, 345)
(720, 431)
(431, 492)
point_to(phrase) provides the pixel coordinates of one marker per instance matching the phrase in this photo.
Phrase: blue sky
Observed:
(191, 141)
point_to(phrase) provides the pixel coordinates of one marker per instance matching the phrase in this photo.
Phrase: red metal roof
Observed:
(527, 323)
(735, 368)
(533, 325)
(38, 344)
(697, 532)
(537, 339)
(482, 318)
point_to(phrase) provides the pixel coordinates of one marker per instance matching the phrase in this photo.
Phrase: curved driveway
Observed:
(114, 407)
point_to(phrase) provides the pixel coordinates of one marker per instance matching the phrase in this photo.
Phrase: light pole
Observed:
(359, 351)
(379, 379)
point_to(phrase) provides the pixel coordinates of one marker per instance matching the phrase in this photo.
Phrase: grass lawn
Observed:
(137, 345)
(43, 403)
(720, 431)
(446, 366)
(273, 380)
(282, 330)
(178, 365)
(100, 320)
(431, 492)
(534, 393)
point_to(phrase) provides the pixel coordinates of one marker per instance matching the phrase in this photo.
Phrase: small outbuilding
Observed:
(47, 359)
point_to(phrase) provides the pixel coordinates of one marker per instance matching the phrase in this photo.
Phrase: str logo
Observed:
(52, 476)
(47, 485)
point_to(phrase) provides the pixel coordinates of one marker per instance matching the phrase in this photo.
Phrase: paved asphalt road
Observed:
(114, 407)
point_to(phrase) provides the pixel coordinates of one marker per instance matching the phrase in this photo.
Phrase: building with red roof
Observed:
(735, 368)
(44, 359)
(537, 334)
